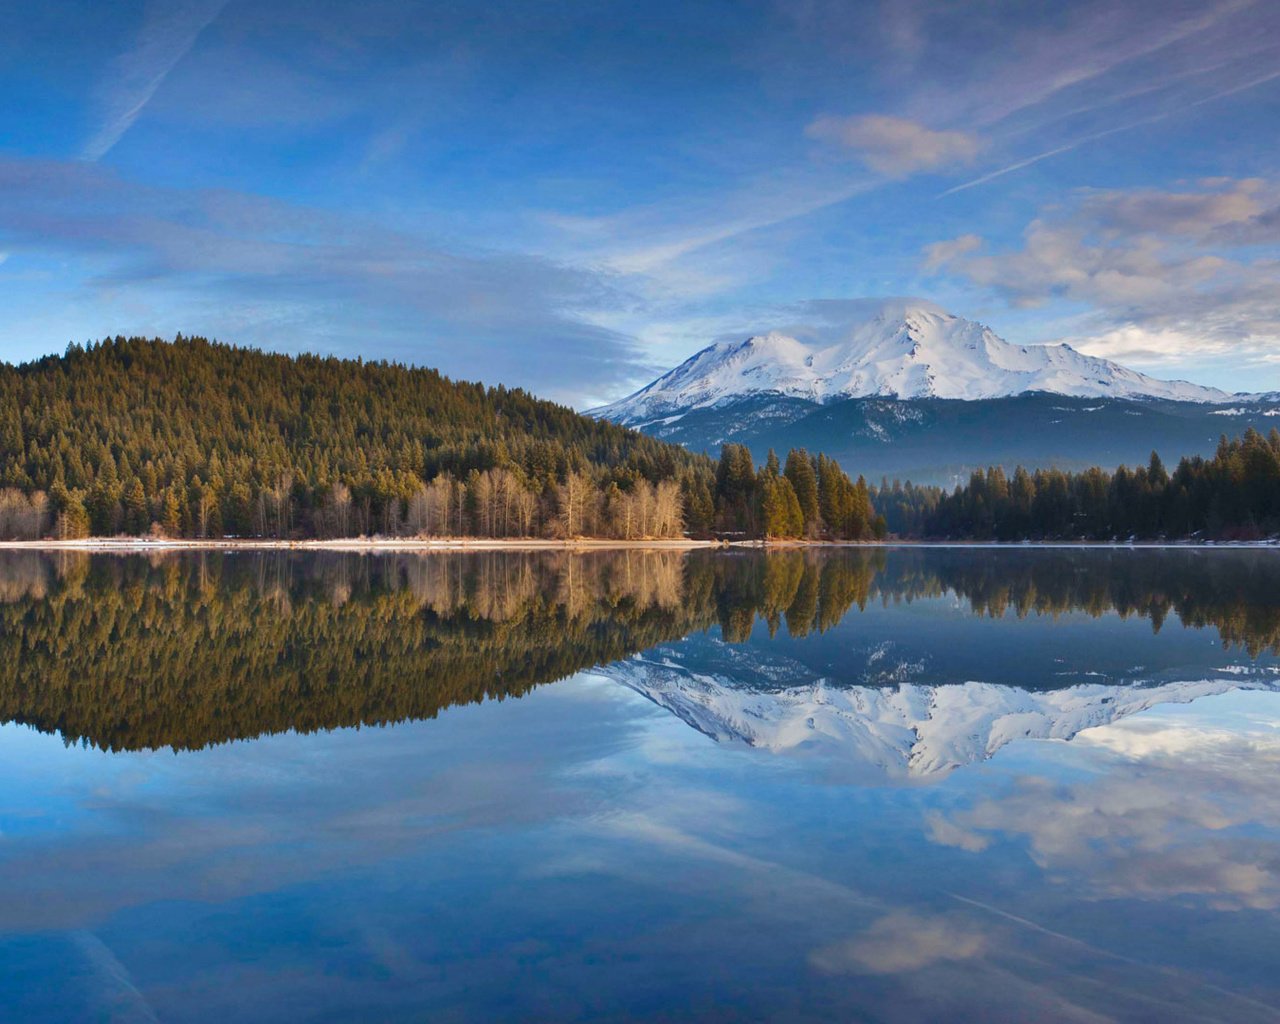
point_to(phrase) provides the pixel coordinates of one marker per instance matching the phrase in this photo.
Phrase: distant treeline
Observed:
(1235, 495)
(193, 438)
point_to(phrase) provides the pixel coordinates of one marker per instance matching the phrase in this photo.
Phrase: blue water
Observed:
(580, 852)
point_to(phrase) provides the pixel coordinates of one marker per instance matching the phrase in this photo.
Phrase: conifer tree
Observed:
(804, 480)
(73, 519)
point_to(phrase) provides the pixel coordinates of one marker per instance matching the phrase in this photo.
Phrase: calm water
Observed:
(885, 785)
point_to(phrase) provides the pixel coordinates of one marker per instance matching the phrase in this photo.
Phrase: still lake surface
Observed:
(890, 784)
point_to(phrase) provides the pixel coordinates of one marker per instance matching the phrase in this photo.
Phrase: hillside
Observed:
(198, 438)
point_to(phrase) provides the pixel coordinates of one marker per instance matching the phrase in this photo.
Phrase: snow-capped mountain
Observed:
(901, 349)
(905, 731)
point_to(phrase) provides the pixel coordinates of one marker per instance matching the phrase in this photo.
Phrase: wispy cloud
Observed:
(697, 177)
(291, 276)
(168, 31)
(1027, 69)
(669, 237)
(895, 146)
(1067, 147)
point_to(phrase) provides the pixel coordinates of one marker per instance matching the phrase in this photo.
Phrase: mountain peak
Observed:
(888, 348)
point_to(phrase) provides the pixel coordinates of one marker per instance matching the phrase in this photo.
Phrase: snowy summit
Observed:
(899, 348)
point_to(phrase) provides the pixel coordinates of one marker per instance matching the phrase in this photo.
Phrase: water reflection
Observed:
(1187, 810)
(580, 853)
(183, 651)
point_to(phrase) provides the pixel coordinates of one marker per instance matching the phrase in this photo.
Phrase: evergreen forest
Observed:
(1235, 495)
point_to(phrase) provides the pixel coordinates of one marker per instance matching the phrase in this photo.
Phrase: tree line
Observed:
(193, 438)
(1234, 495)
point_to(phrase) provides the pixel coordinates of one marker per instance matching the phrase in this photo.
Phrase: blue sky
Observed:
(573, 197)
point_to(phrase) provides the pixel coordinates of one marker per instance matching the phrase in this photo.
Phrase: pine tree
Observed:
(171, 514)
(774, 512)
(73, 519)
(804, 481)
(1157, 475)
(794, 522)
(699, 506)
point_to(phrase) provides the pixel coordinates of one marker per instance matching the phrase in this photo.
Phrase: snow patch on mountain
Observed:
(907, 731)
(900, 348)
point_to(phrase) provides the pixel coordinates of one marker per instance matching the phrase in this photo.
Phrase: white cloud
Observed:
(1131, 343)
(947, 833)
(900, 942)
(1164, 276)
(1219, 204)
(1186, 812)
(939, 254)
(894, 145)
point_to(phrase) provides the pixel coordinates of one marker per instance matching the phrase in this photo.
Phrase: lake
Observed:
(892, 784)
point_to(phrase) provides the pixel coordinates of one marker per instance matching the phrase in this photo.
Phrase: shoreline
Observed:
(359, 544)
(373, 545)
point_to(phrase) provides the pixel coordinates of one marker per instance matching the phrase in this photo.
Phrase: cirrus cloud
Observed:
(263, 271)
(168, 32)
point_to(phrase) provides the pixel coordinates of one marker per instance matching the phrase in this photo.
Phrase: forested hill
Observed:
(200, 438)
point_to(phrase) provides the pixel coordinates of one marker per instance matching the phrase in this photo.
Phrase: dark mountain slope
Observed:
(940, 441)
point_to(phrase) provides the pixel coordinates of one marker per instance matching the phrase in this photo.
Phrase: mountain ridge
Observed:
(905, 349)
